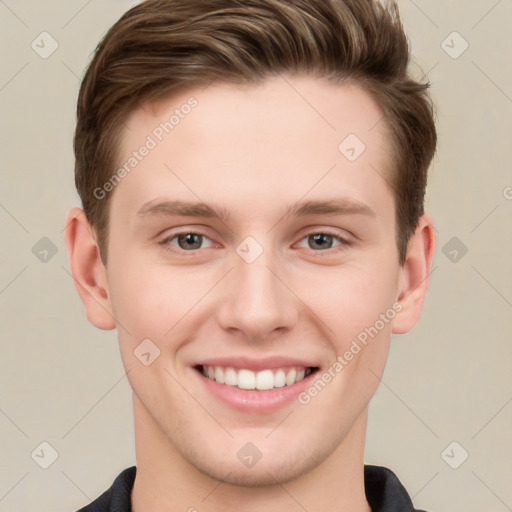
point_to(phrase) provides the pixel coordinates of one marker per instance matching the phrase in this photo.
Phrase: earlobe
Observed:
(415, 274)
(89, 273)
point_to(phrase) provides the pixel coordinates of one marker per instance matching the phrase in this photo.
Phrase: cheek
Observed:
(144, 298)
(357, 306)
(350, 299)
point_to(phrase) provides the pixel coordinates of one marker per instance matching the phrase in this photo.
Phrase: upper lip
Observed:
(251, 363)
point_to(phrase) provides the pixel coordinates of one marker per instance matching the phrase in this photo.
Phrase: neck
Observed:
(167, 482)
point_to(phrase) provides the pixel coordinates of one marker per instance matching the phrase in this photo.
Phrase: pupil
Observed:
(190, 238)
(321, 238)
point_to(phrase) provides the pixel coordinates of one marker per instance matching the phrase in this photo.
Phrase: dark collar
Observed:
(384, 492)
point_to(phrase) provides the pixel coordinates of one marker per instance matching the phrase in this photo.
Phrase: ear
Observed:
(89, 273)
(414, 276)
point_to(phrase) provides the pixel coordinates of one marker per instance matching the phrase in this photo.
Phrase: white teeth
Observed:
(230, 377)
(290, 377)
(262, 380)
(246, 379)
(219, 375)
(265, 380)
(279, 379)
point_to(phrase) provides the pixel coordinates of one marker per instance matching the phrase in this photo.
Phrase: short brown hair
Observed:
(159, 46)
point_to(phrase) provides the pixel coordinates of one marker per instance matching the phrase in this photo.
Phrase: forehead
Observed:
(286, 135)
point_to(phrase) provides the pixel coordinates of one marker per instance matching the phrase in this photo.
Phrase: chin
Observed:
(263, 476)
(281, 469)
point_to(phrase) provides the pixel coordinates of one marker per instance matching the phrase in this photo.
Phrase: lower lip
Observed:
(253, 400)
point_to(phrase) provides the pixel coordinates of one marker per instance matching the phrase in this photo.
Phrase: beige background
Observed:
(61, 379)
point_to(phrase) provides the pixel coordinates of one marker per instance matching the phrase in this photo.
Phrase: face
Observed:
(273, 283)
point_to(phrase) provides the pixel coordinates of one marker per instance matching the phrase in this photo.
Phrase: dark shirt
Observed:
(384, 492)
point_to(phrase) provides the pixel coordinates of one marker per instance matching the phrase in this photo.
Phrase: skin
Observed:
(252, 151)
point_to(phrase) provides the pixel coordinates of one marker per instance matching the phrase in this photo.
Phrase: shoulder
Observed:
(385, 492)
(117, 497)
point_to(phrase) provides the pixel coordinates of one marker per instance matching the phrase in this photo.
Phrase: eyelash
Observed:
(167, 246)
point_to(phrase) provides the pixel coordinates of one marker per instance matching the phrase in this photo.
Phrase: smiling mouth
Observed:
(262, 380)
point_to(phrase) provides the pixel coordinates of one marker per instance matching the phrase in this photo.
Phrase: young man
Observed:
(252, 177)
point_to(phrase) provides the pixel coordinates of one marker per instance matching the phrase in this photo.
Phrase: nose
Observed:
(257, 302)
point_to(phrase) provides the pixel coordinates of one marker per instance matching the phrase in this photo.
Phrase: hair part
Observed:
(161, 46)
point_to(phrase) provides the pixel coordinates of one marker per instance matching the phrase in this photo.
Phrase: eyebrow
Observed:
(184, 208)
(339, 206)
